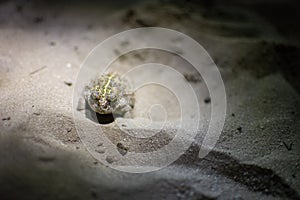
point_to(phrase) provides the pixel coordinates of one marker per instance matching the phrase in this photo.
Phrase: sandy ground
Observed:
(42, 49)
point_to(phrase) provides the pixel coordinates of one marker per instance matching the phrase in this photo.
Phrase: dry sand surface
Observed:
(42, 46)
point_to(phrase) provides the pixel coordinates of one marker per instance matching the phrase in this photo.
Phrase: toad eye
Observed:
(95, 95)
(112, 97)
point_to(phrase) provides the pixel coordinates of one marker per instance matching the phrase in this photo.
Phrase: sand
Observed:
(42, 156)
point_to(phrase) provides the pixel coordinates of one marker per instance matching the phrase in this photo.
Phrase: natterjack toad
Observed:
(110, 94)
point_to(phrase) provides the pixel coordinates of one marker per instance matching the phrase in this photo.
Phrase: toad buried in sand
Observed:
(110, 94)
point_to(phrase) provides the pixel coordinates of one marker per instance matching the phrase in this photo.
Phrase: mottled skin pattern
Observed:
(110, 94)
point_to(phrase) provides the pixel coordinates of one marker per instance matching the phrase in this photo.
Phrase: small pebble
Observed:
(207, 100)
(6, 118)
(194, 78)
(68, 83)
(288, 146)
(122, 149)
(100, 151)
(143, 23)
(100, 144)
(46, 158)
(110, 159)
(239, 129)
